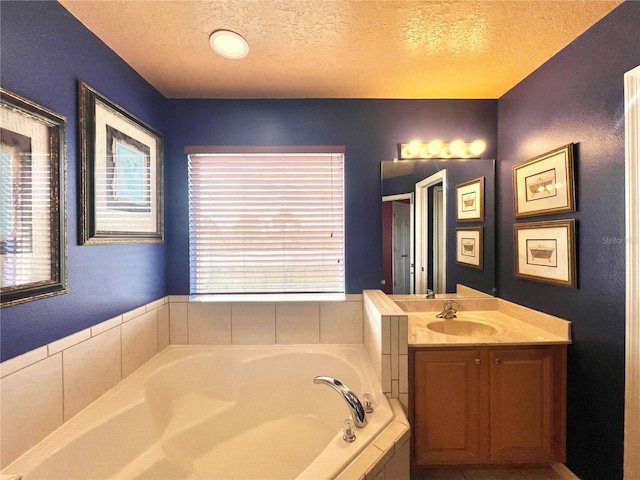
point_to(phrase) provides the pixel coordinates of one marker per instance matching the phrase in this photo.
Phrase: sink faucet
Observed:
(449, 311)
(357, 410)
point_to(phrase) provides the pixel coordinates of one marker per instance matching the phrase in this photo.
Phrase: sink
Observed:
(465, 328)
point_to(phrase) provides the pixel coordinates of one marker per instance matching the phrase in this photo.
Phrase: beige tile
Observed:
(403, 373)
(539, 474)
(139, 341)
(178, 298)
(131, 314)
(367, 460)
(398, 468)
(21, 361)
(418, 474)
(178, 324)
(399, 413)
(155, 304)
(209, 323)
(404, 400)
(385, 334)
(106, 325)
(253, 323)
(394, 336)
(396, 432)
(492, 474)
(341, 323)
(90, 369)
(378, 467)
(386, 373)
(298, 322)
(163, 327)
(403, 335)
(70, 341)
(30, 406)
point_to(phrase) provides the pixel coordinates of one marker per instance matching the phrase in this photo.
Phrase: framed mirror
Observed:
(420, 217)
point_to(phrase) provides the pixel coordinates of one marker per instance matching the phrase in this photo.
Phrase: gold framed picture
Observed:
(546, 252)
(469, 247)
(545, 184)
(470, 201)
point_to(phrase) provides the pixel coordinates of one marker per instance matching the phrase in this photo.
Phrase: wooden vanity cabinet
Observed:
(488, 405)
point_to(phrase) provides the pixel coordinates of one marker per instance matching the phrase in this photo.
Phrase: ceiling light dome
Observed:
(229, 44)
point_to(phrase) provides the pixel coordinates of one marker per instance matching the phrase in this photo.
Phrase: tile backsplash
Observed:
(45, 387)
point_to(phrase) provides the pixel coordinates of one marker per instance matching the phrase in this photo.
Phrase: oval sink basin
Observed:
(463, 328)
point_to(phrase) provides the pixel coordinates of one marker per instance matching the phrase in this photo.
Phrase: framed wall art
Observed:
(470, 201)
(121, 185)
(545, 184)
(469, 248)
(33, 247)
(546, 252)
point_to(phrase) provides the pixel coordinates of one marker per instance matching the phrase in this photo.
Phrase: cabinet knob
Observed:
(497, 360)
(477, 361)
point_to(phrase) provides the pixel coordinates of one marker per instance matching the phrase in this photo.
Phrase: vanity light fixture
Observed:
(439, 149)
(229, 44)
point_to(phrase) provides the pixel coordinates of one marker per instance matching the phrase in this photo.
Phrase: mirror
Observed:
(419, 226)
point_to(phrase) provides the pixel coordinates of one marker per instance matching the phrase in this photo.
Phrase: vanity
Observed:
(487, 387)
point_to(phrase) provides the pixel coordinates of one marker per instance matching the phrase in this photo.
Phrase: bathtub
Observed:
(223, 412)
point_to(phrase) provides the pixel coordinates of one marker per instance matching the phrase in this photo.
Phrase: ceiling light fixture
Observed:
(229, 44)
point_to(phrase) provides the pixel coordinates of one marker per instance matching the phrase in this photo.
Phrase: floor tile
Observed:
(493, 474)
(436, 475)
(539, 474)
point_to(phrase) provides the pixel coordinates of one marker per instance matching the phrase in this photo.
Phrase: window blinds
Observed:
(266, 223)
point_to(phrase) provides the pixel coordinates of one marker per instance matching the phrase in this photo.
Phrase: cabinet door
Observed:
(523, 417)
(448, 407)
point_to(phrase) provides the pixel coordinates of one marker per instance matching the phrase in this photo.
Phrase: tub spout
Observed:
(357, 410)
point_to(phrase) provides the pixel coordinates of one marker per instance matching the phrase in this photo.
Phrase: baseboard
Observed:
(562, 470)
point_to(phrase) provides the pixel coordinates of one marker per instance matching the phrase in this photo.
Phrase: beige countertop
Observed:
(504, 330)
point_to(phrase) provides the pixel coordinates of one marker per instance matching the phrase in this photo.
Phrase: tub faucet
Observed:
(430, 293)
(449, 311)
(357, 410)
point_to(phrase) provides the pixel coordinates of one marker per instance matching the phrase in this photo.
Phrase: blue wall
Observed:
(370, 130)
(575, 97)
(578, 96)
(44, 51)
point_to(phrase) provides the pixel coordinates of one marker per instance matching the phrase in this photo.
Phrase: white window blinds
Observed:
(267, 223)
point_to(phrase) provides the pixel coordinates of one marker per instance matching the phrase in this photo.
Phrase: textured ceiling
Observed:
(339, 48)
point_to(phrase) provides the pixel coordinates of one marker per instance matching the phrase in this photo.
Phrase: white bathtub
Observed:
(227, 413)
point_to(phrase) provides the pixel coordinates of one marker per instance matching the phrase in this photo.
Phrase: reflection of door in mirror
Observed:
(439, 234)
(397, 243)
(431, 233)
(401, 246)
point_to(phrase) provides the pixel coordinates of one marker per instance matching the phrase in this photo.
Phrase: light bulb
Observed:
(435, 147)
(414, 148)
(456, 147)
(477, 147)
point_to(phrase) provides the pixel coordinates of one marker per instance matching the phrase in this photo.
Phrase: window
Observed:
(266, 222)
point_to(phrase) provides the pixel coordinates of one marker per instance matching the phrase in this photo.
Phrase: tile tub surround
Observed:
(387, 457)
(265, 323)
(45, 387)
(386, 340)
